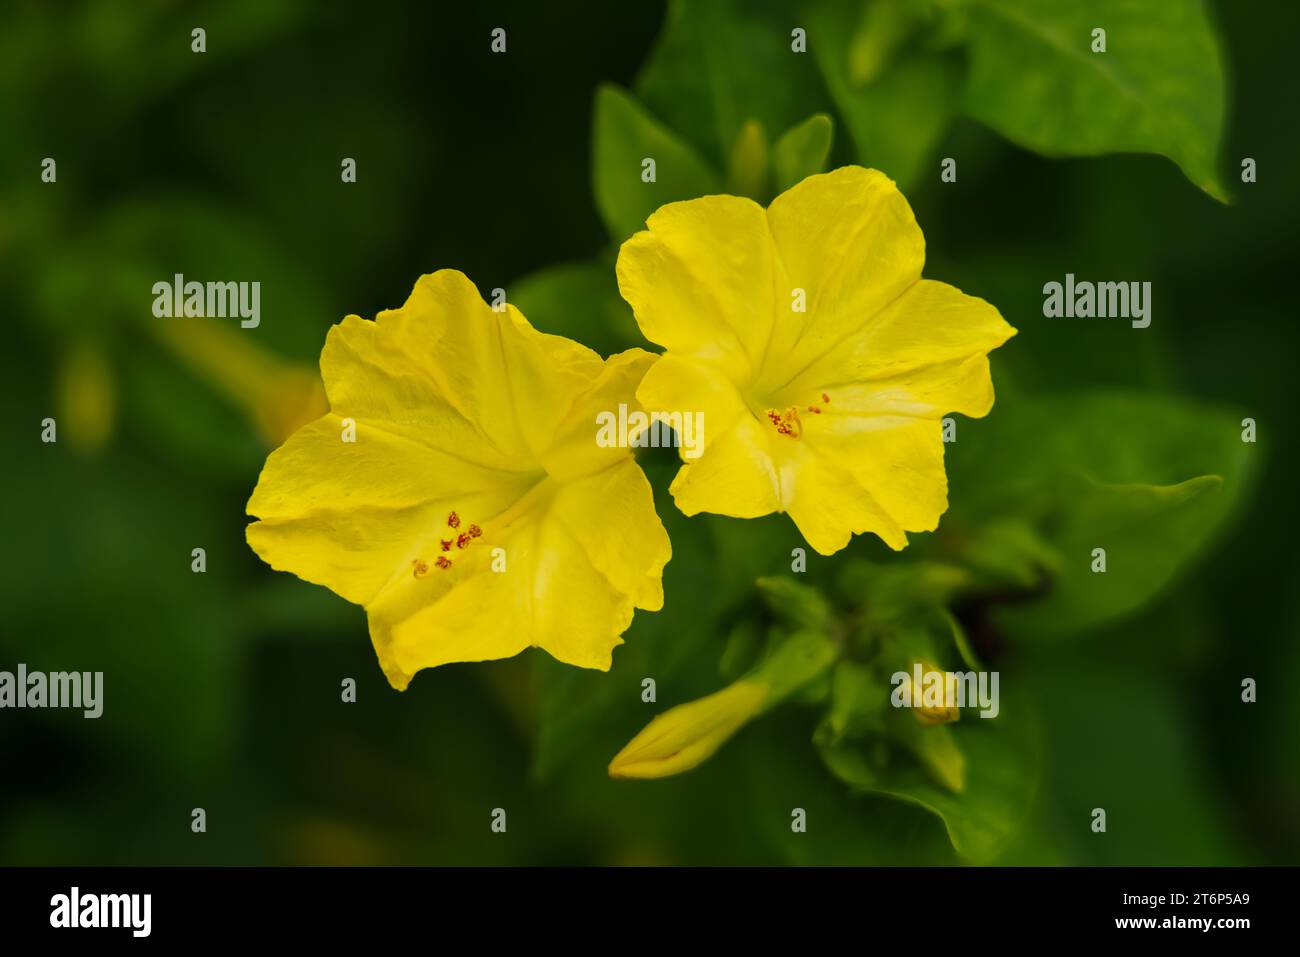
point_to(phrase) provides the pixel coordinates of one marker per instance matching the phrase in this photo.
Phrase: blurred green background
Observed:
(222, 690)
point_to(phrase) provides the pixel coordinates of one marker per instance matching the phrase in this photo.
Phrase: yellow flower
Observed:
(473, 513)
(822, 361)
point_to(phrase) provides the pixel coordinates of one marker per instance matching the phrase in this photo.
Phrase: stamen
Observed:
(787, 422)
(419, 568)
(453, 520)
(442, 561)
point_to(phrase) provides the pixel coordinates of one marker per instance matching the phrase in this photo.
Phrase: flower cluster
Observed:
(763, 315)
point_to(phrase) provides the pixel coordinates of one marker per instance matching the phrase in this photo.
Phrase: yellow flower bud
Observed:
(685, 736)
(929, 714)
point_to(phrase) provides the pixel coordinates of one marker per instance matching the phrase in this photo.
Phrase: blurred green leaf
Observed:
(888, 593)
(1151, 479)
(795, 605)
(883, 28)
(895, 113)
(722, 63)
(1147, 531)
(743, 648)
(1158, 88)
(844, 827)
(793, 663)
(993, 761)
(935, 747)
(1011, 552)
(859, 700)
(802, 151)
(625, 135)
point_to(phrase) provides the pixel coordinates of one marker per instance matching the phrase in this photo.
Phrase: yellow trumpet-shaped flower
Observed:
(822, 361)
(456, 488)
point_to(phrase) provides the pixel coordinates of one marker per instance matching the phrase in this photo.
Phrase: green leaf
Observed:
(625, 136)
(795, 605)
(936, 749)
(1158, 88)
(858, 702)
(883, 29)
(1010, 552)
(1151, 479)
(994, 761)
(896, 117)
(721, 63)
(743, 649)
(802, 151)
(888, 593)
(797, 660)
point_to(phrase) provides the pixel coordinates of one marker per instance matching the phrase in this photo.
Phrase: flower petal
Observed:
(737, 474)
(702, 281)
(352, 516)
(574, 450)
(688, 385)
(885, 475)
(576, 559)
(849, 240)
(446, 353)
(924, 355)
(829, 504)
